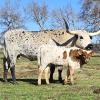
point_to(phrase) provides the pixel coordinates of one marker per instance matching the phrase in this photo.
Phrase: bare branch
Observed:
(10, 17)
(90, 14)
(64, 15)
(39, 14)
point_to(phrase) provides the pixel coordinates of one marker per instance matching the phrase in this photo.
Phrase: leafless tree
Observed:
(38, 13)
(10, 16)
(65, 14)
(90, 14)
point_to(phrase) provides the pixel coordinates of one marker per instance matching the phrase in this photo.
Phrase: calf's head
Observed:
(86, 55)
(82, 55)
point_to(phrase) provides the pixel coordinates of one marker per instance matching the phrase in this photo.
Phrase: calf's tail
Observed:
(39, 57)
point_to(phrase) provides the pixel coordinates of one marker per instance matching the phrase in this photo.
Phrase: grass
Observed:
(87, 81)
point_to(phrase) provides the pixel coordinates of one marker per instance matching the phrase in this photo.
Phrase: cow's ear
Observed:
(64, 55)
(76, 36)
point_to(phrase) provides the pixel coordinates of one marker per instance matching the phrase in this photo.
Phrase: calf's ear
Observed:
(91, 53)
(71, 53)
(75, 53)
(80, 52)
(64, 55)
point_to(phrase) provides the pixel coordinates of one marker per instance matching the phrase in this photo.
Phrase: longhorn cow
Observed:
(21, 42)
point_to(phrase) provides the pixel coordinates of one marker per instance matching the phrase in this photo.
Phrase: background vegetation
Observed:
(14, 14)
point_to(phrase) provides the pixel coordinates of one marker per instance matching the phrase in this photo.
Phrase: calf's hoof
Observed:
(71, 83)
(39, 83)
(47, 83)
(65, 82)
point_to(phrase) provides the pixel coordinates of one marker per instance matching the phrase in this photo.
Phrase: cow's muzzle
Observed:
(89, 47)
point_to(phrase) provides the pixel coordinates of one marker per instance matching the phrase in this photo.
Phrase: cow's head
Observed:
(84, 38)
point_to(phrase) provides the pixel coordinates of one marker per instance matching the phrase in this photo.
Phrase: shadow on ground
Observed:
(29, 81)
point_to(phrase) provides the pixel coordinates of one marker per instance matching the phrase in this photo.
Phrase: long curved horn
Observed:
(76, 32)
(67, 27)
(94, 33)
(66, 24)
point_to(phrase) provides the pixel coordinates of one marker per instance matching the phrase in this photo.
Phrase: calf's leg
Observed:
(46, 75)
(40, 75)
(71, 75)
(67, 76)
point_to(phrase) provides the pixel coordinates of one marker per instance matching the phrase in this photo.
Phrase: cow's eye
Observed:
(91, 37)
(81, 37)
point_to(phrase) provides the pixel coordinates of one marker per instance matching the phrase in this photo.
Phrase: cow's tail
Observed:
(5, 50)
(5, 59)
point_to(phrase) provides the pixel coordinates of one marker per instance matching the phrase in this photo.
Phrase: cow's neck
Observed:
(70, 42)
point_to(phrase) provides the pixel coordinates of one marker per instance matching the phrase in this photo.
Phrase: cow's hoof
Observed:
(51, 80)
(60, 80)
(13, 82)
(5, 81)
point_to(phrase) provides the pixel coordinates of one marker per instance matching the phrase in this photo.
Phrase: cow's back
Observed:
(27, 43)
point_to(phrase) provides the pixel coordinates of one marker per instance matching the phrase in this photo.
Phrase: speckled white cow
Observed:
(21, 42)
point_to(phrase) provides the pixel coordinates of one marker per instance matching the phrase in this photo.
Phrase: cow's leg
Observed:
(40, 75)
(71, 75)
(60, 73)
(12, 67)
(52, 69)
(5, 67)
(46, 75)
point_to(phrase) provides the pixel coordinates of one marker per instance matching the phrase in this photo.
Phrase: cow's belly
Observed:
(30, 48)
(29, 53)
